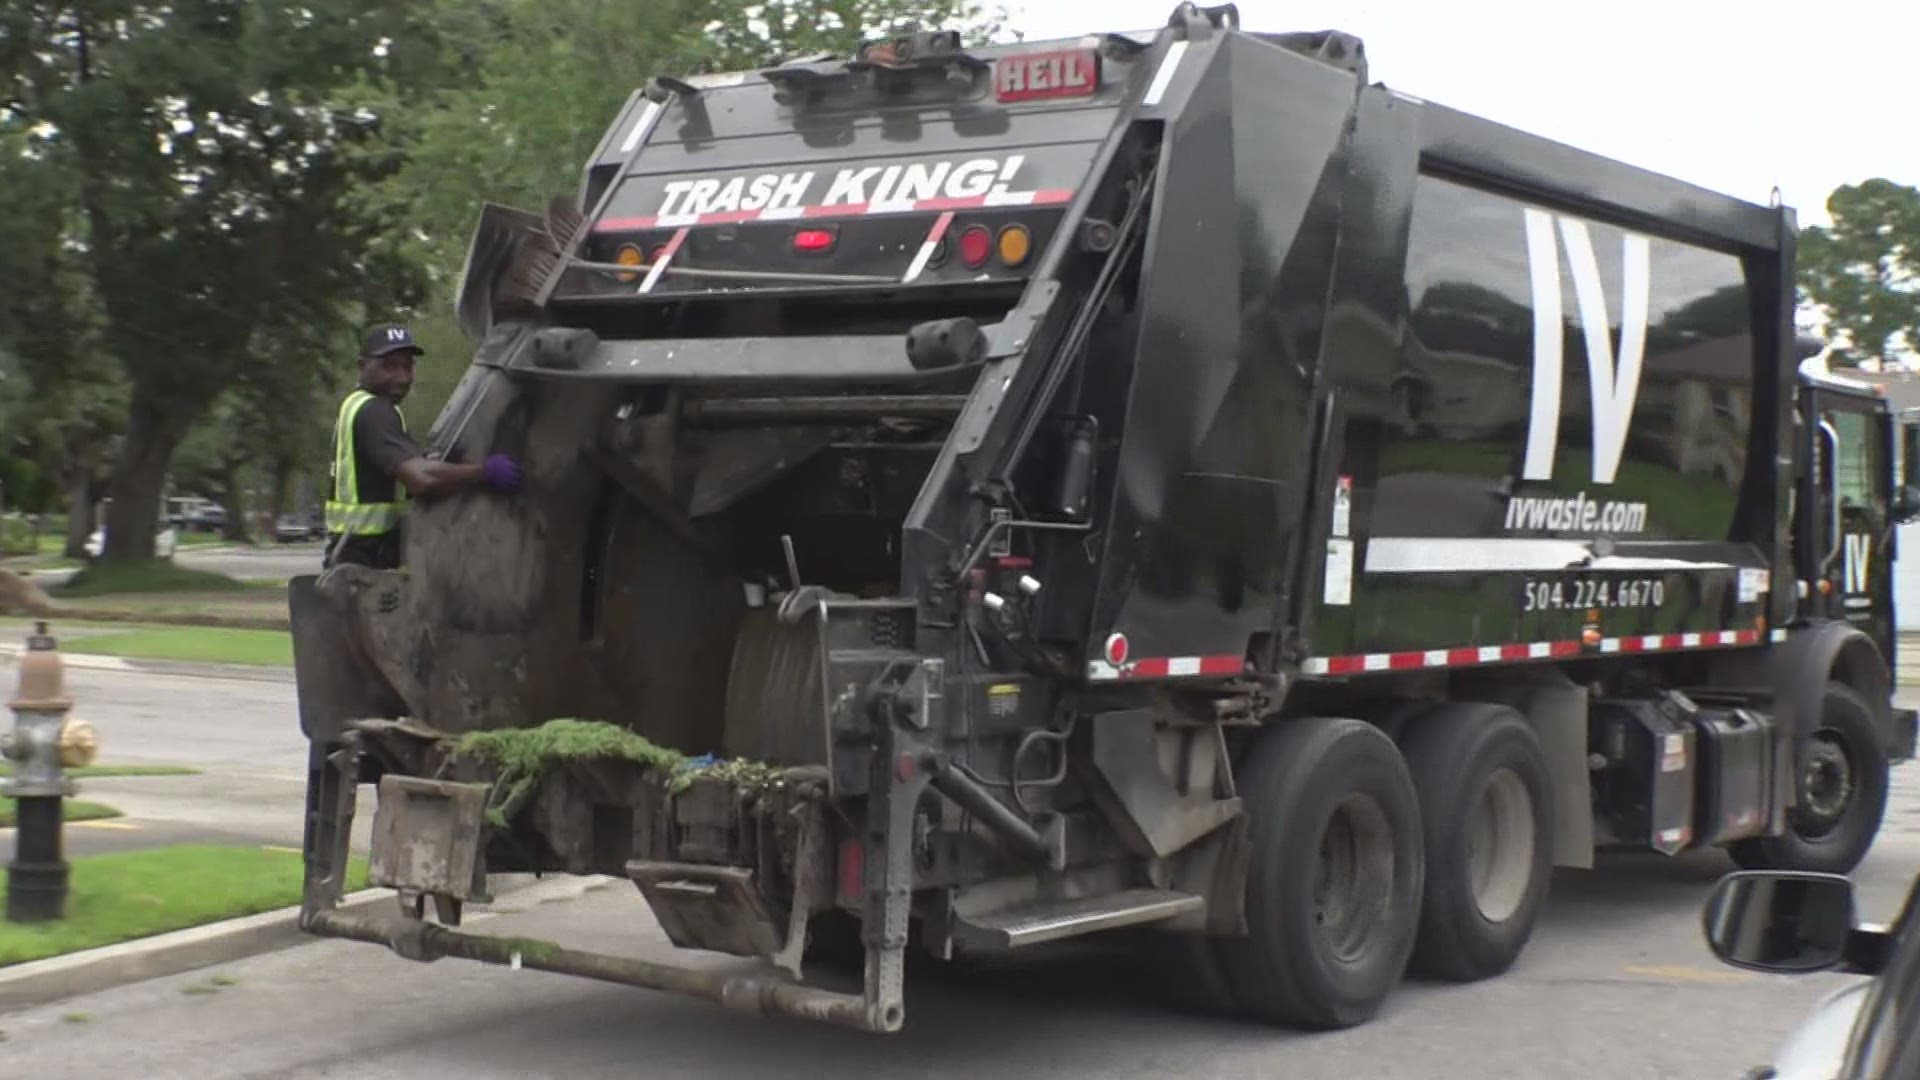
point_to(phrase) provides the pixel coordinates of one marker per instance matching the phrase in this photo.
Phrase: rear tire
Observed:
(1486, 797)
(1840, 768)
(1333, 878)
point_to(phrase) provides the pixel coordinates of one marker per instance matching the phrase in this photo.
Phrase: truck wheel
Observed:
(1333, 876)
(1486, 797)
(1841, 769)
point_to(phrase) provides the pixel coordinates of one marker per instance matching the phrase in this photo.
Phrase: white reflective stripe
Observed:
(1100, 669)
(1489, 654)
(1779, 635)
(1437, 658)
(1374, 662)
(1183, 665)
(1540, 649)
(1689, 641)
(1460, 554)
(1164, 77)
(783, 213)
(1009, 198)
(1611, 644)
(891, 206)
(674, 221)
(641, 127)
(1316, 666)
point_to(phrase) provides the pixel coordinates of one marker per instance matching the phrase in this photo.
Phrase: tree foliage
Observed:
(208, 167)
(1864, 271)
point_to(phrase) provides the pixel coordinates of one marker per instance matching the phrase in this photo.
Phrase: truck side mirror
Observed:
(1906, 505)
(1781, 921)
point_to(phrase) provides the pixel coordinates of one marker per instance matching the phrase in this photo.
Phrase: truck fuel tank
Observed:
(1643, 786)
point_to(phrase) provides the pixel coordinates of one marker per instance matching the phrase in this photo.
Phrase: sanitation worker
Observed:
(377, 465)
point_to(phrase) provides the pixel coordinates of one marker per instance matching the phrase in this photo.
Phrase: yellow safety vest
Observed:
(346, 513)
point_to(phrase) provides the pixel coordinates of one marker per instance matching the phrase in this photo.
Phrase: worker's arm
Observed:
(425, 478)
(394, 451)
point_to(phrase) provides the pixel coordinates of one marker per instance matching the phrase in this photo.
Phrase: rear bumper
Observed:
(768, 995)
(1905, 723)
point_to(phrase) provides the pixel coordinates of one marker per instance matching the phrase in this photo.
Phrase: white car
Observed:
(165, 542)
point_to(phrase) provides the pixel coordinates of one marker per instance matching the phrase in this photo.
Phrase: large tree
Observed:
(210, 167)
(1863, 272)
(61, 400)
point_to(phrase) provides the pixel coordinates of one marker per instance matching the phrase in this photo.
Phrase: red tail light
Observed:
(813, 241)
(976, 244)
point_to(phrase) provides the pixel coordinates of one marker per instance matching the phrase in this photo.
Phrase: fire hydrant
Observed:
(37, 876)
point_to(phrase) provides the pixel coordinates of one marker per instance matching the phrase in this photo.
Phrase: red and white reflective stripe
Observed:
(928, 246)
(1537, 650)
(1166, 667)
(1049, 197)
(661, 260)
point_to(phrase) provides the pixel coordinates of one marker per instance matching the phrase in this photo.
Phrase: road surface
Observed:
(1617, 982)
(242, 734)
(276, 562)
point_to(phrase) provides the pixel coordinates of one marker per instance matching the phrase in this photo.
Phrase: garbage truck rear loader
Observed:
(983, 496)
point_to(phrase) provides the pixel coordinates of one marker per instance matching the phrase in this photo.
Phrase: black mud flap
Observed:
(332, 678)
(1905, 725)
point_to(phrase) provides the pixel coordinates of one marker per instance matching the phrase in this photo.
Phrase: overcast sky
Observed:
(1735, 96)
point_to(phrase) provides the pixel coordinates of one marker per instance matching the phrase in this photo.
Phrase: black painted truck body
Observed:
(1155, 480)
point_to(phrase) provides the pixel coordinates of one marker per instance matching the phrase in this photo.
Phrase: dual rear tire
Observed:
(1369, 859)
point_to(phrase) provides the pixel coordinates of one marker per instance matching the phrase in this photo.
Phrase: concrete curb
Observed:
(57, 977)
(87, 662)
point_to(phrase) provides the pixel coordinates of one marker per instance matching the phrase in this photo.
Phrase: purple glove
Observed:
(501, 472)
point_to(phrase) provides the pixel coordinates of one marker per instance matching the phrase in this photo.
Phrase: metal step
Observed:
(1032, 924)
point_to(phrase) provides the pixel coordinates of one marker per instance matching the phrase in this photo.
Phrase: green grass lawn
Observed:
(195, 644)
(70, 809)
(136, 894)
(100, 579)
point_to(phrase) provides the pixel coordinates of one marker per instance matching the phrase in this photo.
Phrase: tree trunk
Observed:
(234, 499)
(79, 510)
(138, 477)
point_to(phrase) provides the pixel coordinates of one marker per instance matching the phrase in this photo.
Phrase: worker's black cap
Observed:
(389, 338)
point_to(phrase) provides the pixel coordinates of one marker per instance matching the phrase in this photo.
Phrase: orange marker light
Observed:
(629, 256)
(1016, 243)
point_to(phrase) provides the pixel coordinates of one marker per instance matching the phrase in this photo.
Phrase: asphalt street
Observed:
(277, 562)
(243, 735)
(1617, 982)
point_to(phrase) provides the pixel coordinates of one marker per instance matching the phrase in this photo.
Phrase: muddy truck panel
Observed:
(984, 496)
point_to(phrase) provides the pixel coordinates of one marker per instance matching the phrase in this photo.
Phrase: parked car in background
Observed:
(165, 543)
(294, 528)
(1793, 923)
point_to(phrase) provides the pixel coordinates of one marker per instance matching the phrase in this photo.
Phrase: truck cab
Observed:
(1862, 482)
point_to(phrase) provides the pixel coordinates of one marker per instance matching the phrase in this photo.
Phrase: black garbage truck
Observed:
(1155, 484)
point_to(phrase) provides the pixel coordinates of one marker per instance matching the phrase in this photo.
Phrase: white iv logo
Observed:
(1859, 558)
(1613, 382)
